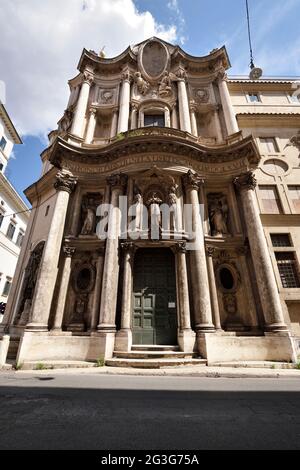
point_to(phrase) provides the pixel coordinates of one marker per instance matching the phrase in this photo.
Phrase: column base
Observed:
(123, 340)
(39, 327)
(205, 328)
(105, 328)
(107, 339)
(59, 332)
(275, 328)
(186, 340)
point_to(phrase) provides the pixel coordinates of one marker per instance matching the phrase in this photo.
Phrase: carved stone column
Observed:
(124, 335)
(229, 114)
(184, 112)
(80, 112)
(124, 102)
(265, 278)
(186, 336)
(174, 117)
(167, 117)
(63, 288)
(91, 126)
(97, 290)
(252, 319)
(64, 184)
(133, 120)
(111, 262)
(194, 121)
(201, 297)
(213, 289)
(114, 123)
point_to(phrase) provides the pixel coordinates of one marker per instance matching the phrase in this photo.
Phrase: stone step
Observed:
(165, 354)
(49, 365)
(153, 347)
(154, 363)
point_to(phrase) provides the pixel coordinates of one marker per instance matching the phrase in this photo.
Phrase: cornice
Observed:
(9, 125)
(133, 144)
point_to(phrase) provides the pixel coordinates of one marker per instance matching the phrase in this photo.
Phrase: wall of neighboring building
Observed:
(6, 151)
(279, 170)
(12, 231)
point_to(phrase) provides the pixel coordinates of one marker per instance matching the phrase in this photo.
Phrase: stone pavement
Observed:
(239, 370)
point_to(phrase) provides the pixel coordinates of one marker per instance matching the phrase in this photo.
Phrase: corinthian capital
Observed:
(245, 181)
(118, 180)
(192, 180)
(126, 75)
(69, 251)
(221, 74)
(88, 77)
(65, 181)
(181, 73)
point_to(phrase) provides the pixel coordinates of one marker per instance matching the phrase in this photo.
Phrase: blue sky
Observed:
(51, 35)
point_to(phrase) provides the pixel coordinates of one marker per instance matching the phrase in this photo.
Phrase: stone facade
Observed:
(169, 132)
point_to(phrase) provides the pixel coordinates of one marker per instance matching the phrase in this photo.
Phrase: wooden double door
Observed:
(154, 317)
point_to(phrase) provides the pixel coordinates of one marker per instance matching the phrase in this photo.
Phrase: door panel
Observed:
(154, 297)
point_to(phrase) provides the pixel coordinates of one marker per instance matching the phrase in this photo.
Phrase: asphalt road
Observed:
(90, 411)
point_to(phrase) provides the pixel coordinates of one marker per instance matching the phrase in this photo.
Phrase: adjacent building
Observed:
(119, 262)
(14, 213)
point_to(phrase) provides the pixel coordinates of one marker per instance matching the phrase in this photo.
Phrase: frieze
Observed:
(124, 162)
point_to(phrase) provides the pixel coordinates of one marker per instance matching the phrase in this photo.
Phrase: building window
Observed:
(6, 289)
(254, 98)
(288, 269)
(281, 239)
(294, 192)
(3, 143)
(268, 145)
(294, 98)
(1, 166)
(11, 231)
(1, 217)
(47, 211)
(20, 238)
(270, 200)
(154, 120)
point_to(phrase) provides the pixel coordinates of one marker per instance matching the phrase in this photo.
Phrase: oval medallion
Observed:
(154, 59)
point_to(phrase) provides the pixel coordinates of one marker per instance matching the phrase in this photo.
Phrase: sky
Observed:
(41, 43)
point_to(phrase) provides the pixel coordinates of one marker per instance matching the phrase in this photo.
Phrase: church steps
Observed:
(154, 363)
(153, 355)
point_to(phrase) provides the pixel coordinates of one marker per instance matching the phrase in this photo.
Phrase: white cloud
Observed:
(41, 43)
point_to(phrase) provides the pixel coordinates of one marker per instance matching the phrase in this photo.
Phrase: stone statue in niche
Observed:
(89, 205)
(172, 197)
(138, 202)
(218, 214)
(89, 211)
(153, 203)
(165, 86)
(142, 85)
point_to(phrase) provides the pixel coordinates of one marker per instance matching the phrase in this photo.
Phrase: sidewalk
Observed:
(194, 371)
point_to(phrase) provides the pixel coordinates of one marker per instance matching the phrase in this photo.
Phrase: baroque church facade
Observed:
(156, 128)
